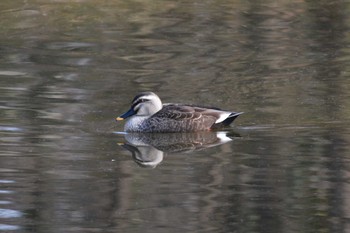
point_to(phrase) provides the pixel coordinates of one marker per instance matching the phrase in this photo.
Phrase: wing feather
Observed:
(187, 118)
(191, 116)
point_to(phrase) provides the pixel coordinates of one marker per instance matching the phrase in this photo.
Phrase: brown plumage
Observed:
(148, 114)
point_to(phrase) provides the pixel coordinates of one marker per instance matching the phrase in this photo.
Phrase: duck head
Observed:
(144, 104)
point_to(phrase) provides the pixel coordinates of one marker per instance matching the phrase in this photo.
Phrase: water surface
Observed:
(68, 68)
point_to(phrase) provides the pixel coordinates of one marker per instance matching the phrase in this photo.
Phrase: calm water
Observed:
(67, 68)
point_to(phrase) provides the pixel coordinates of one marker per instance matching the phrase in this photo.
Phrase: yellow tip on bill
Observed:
(119, 118)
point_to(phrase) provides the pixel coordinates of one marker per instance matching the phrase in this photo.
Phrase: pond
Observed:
(68, 68)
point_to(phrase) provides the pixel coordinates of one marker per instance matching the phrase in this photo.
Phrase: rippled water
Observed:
(68, 68)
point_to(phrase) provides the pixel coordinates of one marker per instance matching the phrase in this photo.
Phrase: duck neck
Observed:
(157, 106)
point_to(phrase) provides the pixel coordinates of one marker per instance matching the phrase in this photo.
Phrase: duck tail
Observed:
(231, 118)
(227, 121)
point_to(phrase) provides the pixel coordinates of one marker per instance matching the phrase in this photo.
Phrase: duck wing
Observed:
(184, 118)
(189, 118)
(183, 112)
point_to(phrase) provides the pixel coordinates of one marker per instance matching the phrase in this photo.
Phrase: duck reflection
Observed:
(148, 149)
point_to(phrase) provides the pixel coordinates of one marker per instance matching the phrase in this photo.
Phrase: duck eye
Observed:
(139, 101)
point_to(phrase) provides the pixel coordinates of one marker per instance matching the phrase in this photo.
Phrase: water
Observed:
(68, 68)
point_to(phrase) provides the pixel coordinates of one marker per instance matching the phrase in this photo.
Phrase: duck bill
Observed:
(129, 113)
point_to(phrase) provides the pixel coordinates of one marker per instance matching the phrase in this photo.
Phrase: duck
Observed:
(148, 114)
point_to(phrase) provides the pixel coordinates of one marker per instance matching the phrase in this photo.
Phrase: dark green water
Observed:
(68, 68)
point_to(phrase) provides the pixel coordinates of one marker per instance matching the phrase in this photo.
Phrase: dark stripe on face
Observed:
(140, 95)
(137, 97)
(140, 100)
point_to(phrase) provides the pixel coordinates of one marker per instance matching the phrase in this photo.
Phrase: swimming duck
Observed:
(148, 114)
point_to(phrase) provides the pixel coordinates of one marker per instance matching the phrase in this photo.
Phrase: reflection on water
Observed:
(148, 149)
(67, 67)
(6, 213)
(5, 227)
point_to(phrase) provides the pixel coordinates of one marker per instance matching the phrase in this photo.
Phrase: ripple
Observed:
(5, 202)
(72, 61)
(146, 42)
(120, 132)
(5, 192)
(60, 60)
(69, 174)
(7, 181)
(10, 129)
(6, 227)
(11, 73)
(7, 213)
(67, 76)
(69, 46)
(14, 89)
(4, 170)
(149, 58)
(140, 72)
